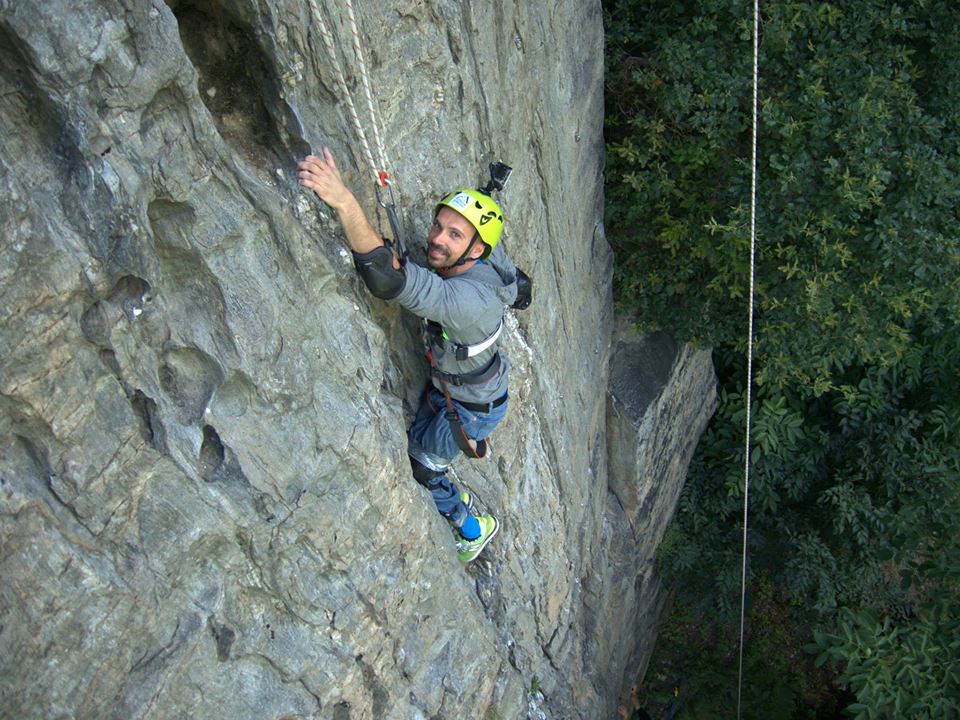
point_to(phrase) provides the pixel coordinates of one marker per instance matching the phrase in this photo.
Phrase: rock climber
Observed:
(461, 297)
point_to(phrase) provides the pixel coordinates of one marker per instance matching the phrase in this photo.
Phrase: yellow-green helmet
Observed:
(480, 210)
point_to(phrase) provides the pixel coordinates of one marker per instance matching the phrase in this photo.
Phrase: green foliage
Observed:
(902, 667)
(849, 491)
(857, 177)
(855, 437)
(675, 110)
(700, 660)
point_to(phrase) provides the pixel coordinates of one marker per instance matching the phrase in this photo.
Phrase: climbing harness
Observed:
(474, 449)
(434, 334)
(483, 375)
(379, 167)
(488, 224)
(483, 212)
(462, 352)
(753, 245)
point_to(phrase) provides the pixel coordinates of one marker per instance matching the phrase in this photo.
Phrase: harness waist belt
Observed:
(468, 351)
(477, 378)
(483, 407)
(463, 352)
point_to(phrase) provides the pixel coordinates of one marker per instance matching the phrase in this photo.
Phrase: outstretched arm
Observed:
(321, 176)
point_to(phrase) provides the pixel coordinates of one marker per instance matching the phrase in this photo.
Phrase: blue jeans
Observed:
(431, 443)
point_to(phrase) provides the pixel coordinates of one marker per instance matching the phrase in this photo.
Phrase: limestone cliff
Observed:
(205, 501)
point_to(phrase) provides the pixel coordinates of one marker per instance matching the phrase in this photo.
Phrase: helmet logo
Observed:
(487, 217)
(459, 201)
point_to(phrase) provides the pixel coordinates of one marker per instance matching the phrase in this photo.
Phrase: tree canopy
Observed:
(855, 453)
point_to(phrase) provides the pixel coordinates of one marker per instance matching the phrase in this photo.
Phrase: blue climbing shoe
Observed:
(468, 550)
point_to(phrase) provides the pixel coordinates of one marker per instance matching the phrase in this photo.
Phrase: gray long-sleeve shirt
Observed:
(469, 307)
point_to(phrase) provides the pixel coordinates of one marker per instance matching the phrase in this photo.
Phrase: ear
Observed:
(478, 249)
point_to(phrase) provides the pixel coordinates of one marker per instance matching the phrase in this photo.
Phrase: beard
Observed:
(438, 256)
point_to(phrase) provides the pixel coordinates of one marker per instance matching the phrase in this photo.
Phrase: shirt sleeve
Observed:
(453, 302)
(500, 260)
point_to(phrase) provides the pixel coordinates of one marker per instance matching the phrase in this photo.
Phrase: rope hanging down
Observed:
(753, 245)
(380, 174)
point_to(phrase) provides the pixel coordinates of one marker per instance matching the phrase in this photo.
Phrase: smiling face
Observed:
(449, 238)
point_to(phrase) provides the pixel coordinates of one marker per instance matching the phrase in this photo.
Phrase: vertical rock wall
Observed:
(661, 397)
(205, 503)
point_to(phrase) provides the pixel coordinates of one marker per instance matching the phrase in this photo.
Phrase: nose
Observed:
(438, 236)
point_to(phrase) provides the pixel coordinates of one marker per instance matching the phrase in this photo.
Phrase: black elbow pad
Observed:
(377, 270)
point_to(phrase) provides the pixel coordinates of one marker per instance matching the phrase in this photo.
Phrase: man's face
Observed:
(449, 237)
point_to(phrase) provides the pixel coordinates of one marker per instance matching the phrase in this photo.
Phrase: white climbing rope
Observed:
(753, 245)
(357, 50)
(379, 173)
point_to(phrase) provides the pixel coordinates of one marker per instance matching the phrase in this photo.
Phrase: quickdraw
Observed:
(391, 209)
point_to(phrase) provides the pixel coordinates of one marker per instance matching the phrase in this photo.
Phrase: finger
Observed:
(329, 158)
(309, 163)
(308, 179)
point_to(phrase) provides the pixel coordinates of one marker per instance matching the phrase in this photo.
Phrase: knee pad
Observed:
(421, 473)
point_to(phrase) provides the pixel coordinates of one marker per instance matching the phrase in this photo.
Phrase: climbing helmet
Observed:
(480, 210)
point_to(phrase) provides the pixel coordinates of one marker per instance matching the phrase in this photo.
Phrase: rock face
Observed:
(205, 500)
(660, 398)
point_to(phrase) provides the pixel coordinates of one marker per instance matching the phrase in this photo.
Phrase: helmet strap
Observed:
(463, 259)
